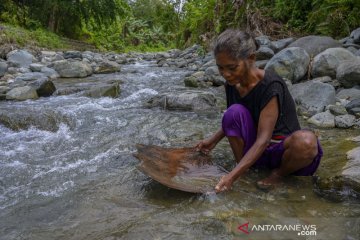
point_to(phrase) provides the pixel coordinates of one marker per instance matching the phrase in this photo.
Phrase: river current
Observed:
(77, 179)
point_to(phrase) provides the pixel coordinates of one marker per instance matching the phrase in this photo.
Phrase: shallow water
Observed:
(80, 181)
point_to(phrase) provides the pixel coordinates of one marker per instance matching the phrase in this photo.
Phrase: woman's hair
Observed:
(236, 43)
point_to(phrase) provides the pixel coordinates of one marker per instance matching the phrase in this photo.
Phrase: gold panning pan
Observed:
(184, 169)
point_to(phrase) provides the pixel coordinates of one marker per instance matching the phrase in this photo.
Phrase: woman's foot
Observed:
(274, 179)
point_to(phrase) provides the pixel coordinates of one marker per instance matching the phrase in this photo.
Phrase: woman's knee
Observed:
(304, 142)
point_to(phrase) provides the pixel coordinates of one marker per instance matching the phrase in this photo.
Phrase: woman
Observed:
(260, 123)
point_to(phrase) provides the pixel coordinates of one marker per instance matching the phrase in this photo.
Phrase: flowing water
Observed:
(72, 175)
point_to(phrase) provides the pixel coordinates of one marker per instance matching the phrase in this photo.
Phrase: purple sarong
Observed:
(237, 122)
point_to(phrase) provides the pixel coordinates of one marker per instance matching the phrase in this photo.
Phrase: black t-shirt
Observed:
(272, 85)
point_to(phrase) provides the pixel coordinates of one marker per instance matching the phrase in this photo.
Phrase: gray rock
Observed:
(344, 121)
(88, 55)
(50, 73)
(43, 87)
(72, 54)
(290, 63)
(4, 89)
(72, 69)
(212, 74)
(351, 170)
(195, 80)
(314, 45)
(36, 67)
(19, 58)
(323, 119)
(187, 100)
(353, 104)
(110, 90)
(261, 64)
(262, 40)
(313, 96)
(356, 112)
(264, 53)
(349, 94)
(348, 73)
(281, 44)
(337, 110)
(3, 68)
(107, 67)
(22, 93)
(355, 35)
(32, 76)
(326, 63)
(210, 63)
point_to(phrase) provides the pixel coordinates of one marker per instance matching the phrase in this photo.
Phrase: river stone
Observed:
(49, 72)
(337, 110)
(19, 58)
(22, 93)
(349, 94)
(348, 73)
(36, 67)
(327, 62)
(43, 87)
(187, 100)
(323, 119)
(351, 170)
(261, 64)
(313, 96)
(72, 54)
(262, 40)
(355, 35)
(3, 68)
(196, 80)
(314, 45)
(212, 74)
(110, 90)
(72, 69)
(281, 44)
(344, 121)
(264, 53)
(107, 67)
(290, 63)
(352, 105)
(32, 76)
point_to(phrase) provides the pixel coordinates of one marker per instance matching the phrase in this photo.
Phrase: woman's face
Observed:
(234, 71)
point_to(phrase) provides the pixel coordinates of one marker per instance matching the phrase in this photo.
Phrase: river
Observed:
(76, 177)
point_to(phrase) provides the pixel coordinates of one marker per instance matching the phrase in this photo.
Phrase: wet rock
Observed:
(324, 120)
(187, 100)
(355, 35)
(107, 67)
(264, 53)
(327, 62)
(110, 90)
(348, 73)
(72, 69)
(212, 75)
(313, 96)
(196, 80)
(314, 45)
(344, 121)
(22, 93)
(19, 58)
(290, 63)
(349, 94)
(281, 44)
(43, 87)
(3, 68)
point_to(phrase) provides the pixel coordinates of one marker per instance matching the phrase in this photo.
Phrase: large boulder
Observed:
(290, 63)
(187, 100)
(348, 73)
(313, 96)
(43, 87)
(314, 45)
(327, 62)
(22, 93)
(323, 119)
(19, 58)
(72, 69)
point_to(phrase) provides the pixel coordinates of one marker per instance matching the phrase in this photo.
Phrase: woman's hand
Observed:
(205, 146)
(224, 184)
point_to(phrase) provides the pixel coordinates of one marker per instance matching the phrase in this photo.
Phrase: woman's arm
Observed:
(208, 144)
(268, 117)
